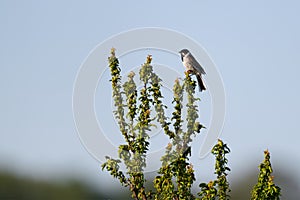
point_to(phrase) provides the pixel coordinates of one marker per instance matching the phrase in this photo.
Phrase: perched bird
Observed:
(193, 67)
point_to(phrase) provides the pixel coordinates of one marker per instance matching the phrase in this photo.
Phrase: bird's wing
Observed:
(196, 65)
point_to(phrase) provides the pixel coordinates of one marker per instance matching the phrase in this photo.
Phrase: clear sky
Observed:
(255, 45)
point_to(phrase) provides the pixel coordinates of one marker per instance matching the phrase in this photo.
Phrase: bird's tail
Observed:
(200, 83)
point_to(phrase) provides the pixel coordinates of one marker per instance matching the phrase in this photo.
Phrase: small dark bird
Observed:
(193, 67)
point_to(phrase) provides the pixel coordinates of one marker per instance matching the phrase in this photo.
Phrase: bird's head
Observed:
(184, 52)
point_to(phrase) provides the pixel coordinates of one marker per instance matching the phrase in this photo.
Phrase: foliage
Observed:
(265, 187)
(16, 187)
(176, 175)
(175, 163)
(217, 189)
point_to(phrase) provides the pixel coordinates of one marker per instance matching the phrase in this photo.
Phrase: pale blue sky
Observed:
(255, 45)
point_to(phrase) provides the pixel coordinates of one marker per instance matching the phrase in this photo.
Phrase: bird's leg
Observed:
(189, 71)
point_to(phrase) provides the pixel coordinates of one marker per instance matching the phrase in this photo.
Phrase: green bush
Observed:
(134, 112)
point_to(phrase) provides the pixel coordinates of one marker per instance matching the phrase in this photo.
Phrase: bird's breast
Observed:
(187, 64)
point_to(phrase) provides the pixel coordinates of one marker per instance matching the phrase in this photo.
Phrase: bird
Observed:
(193, 67)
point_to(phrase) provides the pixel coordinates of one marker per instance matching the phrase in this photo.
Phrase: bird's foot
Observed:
(189, 71)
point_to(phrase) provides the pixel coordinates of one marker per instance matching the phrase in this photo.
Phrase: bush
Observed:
(134, 112)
